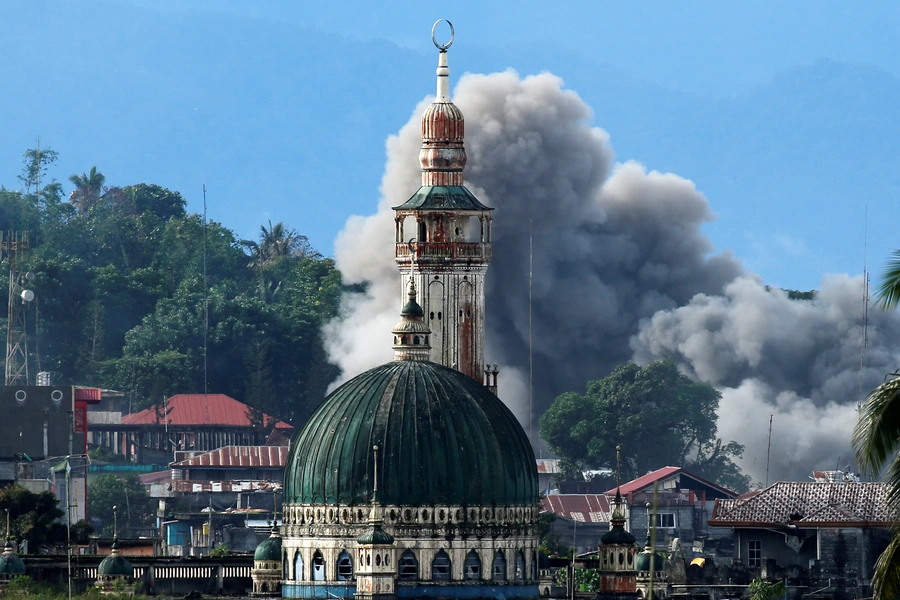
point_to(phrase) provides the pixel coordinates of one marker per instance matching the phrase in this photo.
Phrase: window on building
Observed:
(754, 553)
(344, 566)
(318, 567)
(499, 567)
(440, 567)
(472, 566)
(520, 566)
(298, 566)
(409, 567)
(665, 520)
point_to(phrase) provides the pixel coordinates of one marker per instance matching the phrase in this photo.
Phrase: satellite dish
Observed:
(27, 295)
(29, 276)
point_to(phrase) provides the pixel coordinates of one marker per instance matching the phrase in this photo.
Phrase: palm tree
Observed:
(876, 439)
(88, 188)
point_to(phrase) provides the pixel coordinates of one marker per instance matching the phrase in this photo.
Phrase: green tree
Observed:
(135, 508)
(88, 188)
(33, 517)
(658, 415)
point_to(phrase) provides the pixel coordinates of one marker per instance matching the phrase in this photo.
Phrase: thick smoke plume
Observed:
(621, 271)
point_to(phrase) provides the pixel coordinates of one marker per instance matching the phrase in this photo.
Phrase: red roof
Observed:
(239, 456)
(548, 465)
(587, 508)
(807, 504)
(199, 409)
(639, 484)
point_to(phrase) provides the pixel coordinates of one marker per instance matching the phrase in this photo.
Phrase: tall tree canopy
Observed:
(121, 300)
(656, 414)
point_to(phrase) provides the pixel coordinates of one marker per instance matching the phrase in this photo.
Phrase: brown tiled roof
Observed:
(199, 409)
(806, 504)
(587, 508)
(239, 457)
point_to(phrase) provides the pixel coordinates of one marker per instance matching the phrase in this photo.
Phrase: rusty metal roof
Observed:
(274, 457)
(806, 504)
(647, 481)
(199, 409)
(548, 466)
(586, 508)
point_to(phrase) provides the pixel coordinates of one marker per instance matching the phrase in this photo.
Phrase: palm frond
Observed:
(888, 294)
(877, 434)
(886, 580)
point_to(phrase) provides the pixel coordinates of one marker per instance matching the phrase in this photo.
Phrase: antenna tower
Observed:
(865, 316)
(15, 244)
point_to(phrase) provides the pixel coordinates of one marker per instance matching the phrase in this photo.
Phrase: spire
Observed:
(443, 71)
(412, 334)
(443, 156)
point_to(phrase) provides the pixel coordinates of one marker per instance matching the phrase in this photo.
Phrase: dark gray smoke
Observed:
(621, 271)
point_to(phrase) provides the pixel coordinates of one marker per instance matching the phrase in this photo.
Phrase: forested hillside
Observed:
(122, 289)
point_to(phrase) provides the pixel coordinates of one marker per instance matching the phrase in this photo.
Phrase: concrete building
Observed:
(834, 529)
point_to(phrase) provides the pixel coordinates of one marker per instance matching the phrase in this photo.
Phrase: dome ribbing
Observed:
(443, 439)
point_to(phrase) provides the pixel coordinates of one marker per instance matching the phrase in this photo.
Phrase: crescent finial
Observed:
(442, 47)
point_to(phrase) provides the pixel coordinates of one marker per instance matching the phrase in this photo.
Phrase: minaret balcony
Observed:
(442, 252)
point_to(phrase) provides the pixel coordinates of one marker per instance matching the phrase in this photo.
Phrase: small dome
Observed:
(269, 548)
(115, 565)
(644, 558)
(10, 563)
(617, 535)
(434, 427)
(374, 536)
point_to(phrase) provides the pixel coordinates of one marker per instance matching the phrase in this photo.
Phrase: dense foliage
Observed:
(134, 293)
(33, 517)
(124, 495)
(656, 414)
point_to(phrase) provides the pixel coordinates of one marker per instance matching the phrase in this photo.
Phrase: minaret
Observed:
(443, 236)
(375, 557)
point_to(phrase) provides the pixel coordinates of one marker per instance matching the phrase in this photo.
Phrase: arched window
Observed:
(318, 567)
(344, 566)
(440, 567)
(520, 566)
(499, 567)
(408, 567)
(472, 566)
(298, 566)
(423, 232)
(534, 566)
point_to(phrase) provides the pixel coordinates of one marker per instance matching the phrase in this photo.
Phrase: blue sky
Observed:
(783, 114)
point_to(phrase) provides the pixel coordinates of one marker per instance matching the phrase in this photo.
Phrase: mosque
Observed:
(413, 480)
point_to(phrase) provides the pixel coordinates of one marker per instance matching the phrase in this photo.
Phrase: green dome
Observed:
(115, 565)
(10, 563)
(643, 561)
(269, 548)
(443, 438)
(374, 536)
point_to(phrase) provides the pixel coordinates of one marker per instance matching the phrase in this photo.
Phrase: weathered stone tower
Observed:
(443, 238)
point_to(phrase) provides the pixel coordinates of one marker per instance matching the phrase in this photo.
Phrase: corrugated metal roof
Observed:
(155, 477)
(199, 409)
(587, 508)
(646, 481)
(807, 504)
(548, 465)
(239, 457)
